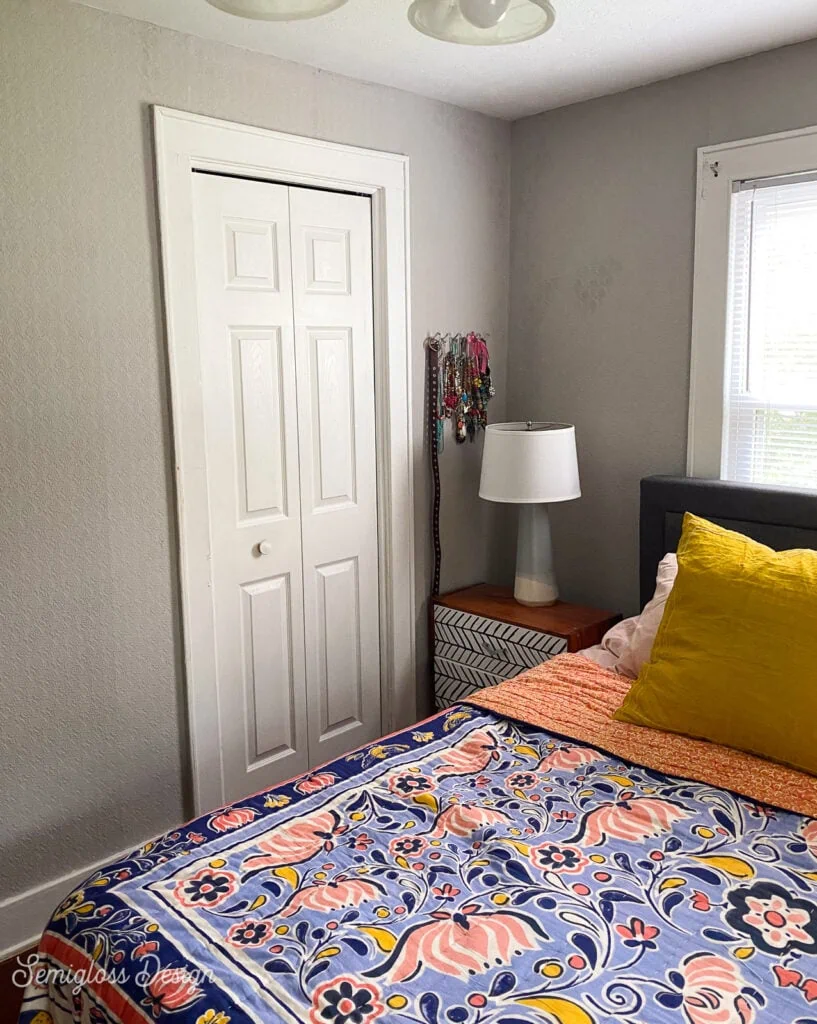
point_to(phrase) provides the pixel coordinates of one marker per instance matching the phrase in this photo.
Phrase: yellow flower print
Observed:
(455, 718)
(213, 1017)
(274, 800)
(383, 750)
(378, 752)
(73, 904)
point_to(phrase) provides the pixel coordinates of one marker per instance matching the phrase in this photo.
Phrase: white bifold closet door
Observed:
(284, 280)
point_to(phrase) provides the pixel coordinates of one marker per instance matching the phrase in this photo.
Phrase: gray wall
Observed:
(91, 708)
(602, 227)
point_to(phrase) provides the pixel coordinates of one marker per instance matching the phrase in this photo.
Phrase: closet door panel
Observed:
(249, 391)
(339, 682)
(334, 341)
(332, 411)
(260, 431)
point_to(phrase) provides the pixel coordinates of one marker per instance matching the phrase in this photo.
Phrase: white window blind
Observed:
(770, 413)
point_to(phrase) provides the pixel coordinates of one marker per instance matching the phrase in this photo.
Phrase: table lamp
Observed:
(531, 464)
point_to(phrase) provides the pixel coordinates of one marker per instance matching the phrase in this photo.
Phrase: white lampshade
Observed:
(528, 463)
(277, 10)
(482, 22)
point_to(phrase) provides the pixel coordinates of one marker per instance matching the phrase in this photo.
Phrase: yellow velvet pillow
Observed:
(735, 657)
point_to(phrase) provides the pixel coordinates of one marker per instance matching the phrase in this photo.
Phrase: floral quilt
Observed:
(471, 870)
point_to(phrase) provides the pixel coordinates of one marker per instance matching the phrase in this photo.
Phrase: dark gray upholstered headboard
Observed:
(776, 516)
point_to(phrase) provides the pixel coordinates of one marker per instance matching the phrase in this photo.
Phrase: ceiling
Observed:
(596, 47)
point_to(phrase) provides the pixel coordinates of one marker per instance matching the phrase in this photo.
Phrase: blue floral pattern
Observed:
(469, 871)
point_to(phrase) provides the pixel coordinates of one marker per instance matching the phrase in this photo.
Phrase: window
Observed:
(770, 415)
(753, 395)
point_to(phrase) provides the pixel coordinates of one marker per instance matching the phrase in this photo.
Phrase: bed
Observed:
(518, 859)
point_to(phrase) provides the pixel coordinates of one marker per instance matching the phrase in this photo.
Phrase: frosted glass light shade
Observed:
(529, 463)
(484, 13)
(277, 10)
(446, 20)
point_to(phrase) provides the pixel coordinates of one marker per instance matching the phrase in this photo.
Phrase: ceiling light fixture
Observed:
(482, 22)
(277, 10)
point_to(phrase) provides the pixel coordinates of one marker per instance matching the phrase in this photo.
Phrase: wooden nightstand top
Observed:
(584, 626)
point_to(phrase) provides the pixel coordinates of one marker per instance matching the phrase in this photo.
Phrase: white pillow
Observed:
(627, 646)
(637, 653)
(613, 644)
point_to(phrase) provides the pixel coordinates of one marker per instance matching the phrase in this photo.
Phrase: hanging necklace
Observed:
(463, 386)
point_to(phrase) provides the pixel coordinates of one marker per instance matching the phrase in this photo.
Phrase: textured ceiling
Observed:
(597, 46)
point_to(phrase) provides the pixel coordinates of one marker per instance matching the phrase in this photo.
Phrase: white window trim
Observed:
(719, 167)
(185, 141)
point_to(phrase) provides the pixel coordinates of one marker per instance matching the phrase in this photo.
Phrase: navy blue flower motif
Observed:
(775, 921)
(410, 783)
(345, 1001)
(521, 780)
(558, 858)
(208, 887)
(249, 933)
(407, 846)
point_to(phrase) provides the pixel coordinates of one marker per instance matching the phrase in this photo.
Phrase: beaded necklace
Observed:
(464, 386)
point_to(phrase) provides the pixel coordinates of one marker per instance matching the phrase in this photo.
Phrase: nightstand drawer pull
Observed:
(493, 651)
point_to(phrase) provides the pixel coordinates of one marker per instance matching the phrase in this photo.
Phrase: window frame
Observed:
(719, 168)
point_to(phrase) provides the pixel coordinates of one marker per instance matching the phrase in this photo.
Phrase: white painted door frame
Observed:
(187, 142)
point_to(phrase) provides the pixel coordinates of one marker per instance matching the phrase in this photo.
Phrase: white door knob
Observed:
(265, 548)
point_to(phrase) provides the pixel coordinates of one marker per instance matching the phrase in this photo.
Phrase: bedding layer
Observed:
(471, 870)
(575, 697)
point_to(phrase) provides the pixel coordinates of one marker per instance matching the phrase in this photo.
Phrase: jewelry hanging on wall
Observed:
(464, 387)
(459, 389)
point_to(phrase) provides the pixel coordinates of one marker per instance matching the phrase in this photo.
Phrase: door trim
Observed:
(186, 142)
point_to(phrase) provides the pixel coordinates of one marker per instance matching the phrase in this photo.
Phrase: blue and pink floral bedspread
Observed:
(468, 871)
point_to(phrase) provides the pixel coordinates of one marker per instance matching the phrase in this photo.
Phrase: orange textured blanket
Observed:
(574, 697)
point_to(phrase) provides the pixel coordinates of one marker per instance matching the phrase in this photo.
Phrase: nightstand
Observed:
(482, 636)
